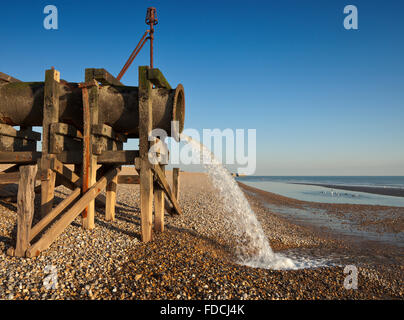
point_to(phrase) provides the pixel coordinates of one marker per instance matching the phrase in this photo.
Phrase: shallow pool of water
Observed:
(325, 195)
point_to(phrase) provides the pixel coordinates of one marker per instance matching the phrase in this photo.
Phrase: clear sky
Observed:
(324, 100)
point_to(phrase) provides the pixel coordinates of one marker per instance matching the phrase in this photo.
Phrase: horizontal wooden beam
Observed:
(65, 130)
(20, 157)
(6, 130)
(68, 217)
(128, 179)
(118, 157)
(12, 177)
(108, 132)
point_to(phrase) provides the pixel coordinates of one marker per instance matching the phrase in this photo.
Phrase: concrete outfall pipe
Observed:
(21, 104)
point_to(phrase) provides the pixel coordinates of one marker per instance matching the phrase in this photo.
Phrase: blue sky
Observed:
(324, 100)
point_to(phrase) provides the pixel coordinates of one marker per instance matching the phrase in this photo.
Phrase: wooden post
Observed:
(90, 117)
(159, 206)
(50, 115)
(146, 175)
(111, 200)
(25, 208)
(176, 183)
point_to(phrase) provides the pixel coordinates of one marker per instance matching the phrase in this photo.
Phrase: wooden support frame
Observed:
(45, 221)
(91, 145)
(58, 227)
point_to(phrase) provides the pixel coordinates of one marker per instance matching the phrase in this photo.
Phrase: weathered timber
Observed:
(64, 137)
(22, 157)
(101, 144)
(5, 78)
(176, 183)
(27, 134)
(50, 115)
(162, 181)
(25, 208)
(128, 179)
(120, 157)
(159, 206)
(12, 177)
(45, 221)
(90, 93)
(67, 218)
(66, 130)
(102, 76)
(111, 199)
(108, 132)
(61, 169)
(157, 78)
(18, 140)
(48, 184)
(146, 175)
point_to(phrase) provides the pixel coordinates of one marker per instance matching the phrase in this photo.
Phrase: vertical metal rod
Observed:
(151, 43)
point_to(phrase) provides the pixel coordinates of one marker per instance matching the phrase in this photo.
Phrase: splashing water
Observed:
(253, 248)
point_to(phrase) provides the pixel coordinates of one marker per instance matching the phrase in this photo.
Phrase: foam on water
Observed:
(253, 248)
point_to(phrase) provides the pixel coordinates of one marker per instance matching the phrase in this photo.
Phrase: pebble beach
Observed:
(195, 257)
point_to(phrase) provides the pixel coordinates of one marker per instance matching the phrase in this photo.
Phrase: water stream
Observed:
(253, 248)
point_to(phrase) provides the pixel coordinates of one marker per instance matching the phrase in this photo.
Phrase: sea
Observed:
(299, 187)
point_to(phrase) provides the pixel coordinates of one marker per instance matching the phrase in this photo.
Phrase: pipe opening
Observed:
(179, 107)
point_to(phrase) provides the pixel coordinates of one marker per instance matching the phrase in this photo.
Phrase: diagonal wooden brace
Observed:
(68, 217)
(162, 181)
(64, 171)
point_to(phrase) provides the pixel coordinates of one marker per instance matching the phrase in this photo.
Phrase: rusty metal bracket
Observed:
(151, 20)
